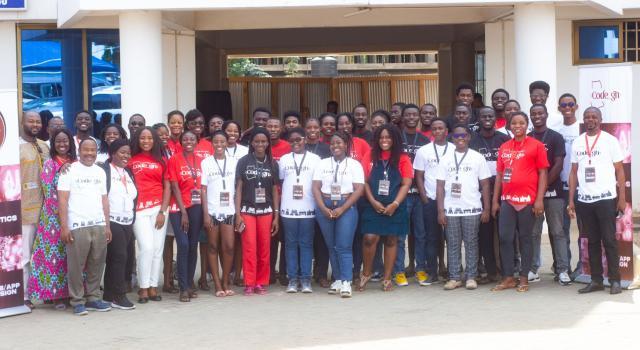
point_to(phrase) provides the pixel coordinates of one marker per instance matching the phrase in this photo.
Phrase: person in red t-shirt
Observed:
(186, 210)
(278, 149)
(521, 182)
(152, 182)
(195, 123)
(360, 149)
(499, 99)
(175, 120)
(428, 112)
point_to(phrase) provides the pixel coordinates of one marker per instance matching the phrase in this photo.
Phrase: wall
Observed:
(179, 71)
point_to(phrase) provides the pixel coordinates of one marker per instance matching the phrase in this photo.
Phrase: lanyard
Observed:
(455, 158)
(123, 177)
(544, 135)
(223, 171)
(259, 169)
(385, 164)
(194, 174)
(514, 151)
(486, 145)
(446, 145)
(415, 139)
(235, 149)
(335, 173)
(295, 165)
(590, 149)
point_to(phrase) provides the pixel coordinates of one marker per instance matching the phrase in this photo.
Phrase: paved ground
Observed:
(549, 316)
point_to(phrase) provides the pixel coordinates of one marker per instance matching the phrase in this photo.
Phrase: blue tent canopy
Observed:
(46, 56)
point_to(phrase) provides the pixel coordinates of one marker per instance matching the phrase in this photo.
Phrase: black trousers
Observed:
(486, 244)
(511, 223)
(117, 257)
(320, 253)
(599, 222)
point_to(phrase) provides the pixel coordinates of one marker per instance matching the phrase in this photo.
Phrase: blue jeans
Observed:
(298, 234)
(338, 234)
(415, 209)
(187, 243)
(433, 235)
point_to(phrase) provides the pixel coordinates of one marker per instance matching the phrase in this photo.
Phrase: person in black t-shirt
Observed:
(462, 114)
(257, 204)
(361, 123)
(313, 142)
(412, 140)
(487, 141)
(553, 202)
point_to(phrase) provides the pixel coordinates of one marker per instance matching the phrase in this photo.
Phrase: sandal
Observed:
(324, 282)
(229, 293)
(153, 294)
(506, 283)
(193, 294)
(524, 285)
(184, 297)
(60, 305)
(220, 294)
(387, 286)
(203, 285)
(364, 279)
(170, 289)
(238, 282)
(143, 297)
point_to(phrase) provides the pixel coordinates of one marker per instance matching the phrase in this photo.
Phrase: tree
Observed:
(243, 67)
(291, 66)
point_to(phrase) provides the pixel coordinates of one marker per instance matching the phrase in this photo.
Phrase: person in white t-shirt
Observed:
(84, 224)
(338, 183)
(570, 130)
(297, 209)
(461, 206)
(425, 164)
(218, 190)
(597, 173)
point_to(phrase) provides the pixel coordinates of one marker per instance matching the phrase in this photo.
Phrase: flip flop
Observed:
(229, 293)
(220, 294)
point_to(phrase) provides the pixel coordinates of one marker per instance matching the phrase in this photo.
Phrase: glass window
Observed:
(599, 42)
(103, 70)
(51, 61)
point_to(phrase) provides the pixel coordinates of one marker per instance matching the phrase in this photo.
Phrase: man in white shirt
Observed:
(84, 224)
(570, 130)
(596, 167)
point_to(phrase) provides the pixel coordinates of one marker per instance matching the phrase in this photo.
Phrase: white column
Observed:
(141, 65)
(535, 51)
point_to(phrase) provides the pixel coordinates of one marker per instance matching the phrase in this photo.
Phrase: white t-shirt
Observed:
(606, 152)
(121, 196)
(237, 152)
(471, 169)
(349, 172)
(297, 208)
(101, 158)
(427, 161)
(86, 186)
(213, 179)
(569, 133)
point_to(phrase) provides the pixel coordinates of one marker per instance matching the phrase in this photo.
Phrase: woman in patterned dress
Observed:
(48, 281)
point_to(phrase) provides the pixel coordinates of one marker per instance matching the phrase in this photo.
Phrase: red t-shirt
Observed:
(404, 165)
(148, 175)
(179, 169)
(501, 122)
(524, 158)
(174, 146)
(203, 149)
(361, 151)
(428, 135)
(280, 149)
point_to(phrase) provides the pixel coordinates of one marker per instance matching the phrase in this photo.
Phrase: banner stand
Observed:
(16, 310)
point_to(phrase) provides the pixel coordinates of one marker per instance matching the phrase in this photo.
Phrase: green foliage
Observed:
(291, 67)
(243, 67)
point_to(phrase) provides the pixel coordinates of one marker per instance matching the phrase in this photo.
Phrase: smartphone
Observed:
(242, 227)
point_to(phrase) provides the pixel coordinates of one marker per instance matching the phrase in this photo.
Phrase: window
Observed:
(630, 41)
(103, 72)
(597, 42)
(480, 76)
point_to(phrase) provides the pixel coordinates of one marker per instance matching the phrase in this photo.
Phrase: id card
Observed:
(456, 190)
(224, 199)
(336, 192)
(590, 174)
(196, 197)
(297, 192)
(383, 187)
(261, 195)
(506, 176)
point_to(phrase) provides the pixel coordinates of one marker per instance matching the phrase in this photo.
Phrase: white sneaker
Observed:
(471, 284)
(335, 287)
(533, 277)
(345, 291)
(564, 279)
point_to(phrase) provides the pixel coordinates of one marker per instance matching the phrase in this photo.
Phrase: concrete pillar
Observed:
(535, 51)
(141, 65)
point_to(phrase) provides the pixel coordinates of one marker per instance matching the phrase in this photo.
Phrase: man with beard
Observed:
(428, 112)
(462, 115)
(498, 99)
(487, 142)
(136, 122)
(361, 121)
(396, 114)
(33, 153)
(83, 123)
(464, 96)
(55, 124)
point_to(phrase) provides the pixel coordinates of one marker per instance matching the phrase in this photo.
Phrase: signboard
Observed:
(13, 5)
(610, 87)
(11, 288)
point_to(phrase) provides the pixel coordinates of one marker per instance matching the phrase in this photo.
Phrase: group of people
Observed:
(349, 189)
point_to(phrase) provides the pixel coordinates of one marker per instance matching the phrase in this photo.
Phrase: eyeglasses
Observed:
(568, 104)
(295, 140)
(459, 136)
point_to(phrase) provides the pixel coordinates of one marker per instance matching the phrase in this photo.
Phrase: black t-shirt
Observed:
(489, 147)
(320, 149)
(410, 145)
(554, 144)
(255, 174)
(366, 135)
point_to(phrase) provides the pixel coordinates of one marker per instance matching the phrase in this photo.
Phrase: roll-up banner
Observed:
(610, 88)
(11, 288)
